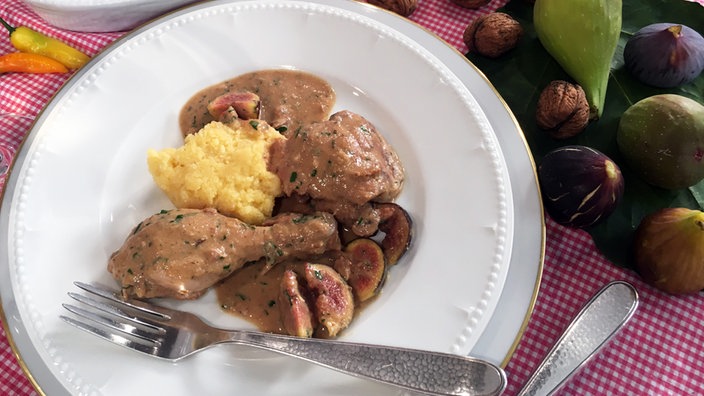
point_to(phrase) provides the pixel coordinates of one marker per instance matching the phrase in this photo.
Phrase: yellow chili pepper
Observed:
(31, 41)
(23, 62)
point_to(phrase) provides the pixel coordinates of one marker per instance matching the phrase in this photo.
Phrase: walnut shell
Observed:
(492, 35)
(402, 7)
(563, 110)
(471, 4)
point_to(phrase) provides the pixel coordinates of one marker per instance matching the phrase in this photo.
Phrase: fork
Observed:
(173, 335)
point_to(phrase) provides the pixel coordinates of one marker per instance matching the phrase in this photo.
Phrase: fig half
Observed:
(333, 300)
(669, 250)
(246, 105)
(367, 267)
(396, 223)
(295, 313)
(580, 186)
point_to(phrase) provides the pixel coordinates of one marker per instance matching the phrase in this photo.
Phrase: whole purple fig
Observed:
(665, 55)
(580, 186)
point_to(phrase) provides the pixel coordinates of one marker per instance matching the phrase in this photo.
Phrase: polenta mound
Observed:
(223, 167)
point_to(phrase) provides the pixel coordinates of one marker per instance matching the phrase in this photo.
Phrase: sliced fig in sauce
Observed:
(333, 303)
(293, 306)
(247, 105)
(396, 223)
(336, 259)
(347, 235)
(367, 269)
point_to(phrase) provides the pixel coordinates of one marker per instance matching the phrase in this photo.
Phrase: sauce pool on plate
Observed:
(289, 98)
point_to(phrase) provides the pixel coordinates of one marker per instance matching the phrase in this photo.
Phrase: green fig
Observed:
(662, 139)
(582, 36)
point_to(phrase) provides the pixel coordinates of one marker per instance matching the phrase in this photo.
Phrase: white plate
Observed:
(101, 15)
(80, 182)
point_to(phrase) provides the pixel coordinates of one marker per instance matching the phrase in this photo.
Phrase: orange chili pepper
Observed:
(30, 63)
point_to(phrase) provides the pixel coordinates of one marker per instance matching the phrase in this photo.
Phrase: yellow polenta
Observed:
(223, 167)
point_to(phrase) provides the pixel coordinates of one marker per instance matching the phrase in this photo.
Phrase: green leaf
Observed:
(520, 76)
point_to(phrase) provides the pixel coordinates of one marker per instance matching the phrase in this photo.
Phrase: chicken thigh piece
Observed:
(181, 253)
(342, 164)
(342, 159)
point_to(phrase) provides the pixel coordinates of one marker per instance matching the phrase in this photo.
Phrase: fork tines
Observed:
(117, 320)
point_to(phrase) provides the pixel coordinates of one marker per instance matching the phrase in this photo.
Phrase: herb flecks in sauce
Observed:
(190, 255)
(291, 102)
(289, 99)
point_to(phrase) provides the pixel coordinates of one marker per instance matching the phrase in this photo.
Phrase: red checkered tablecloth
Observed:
(660, 352)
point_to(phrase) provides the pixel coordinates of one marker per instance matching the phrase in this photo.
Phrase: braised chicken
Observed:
(291, 274)
(342, 164)
(181, 253)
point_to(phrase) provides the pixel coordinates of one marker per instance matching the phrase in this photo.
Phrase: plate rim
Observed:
(361, 8)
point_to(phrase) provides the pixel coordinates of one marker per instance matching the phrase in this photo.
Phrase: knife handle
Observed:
(598, 321)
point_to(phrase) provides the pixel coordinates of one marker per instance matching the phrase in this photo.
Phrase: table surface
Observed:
(658, 353)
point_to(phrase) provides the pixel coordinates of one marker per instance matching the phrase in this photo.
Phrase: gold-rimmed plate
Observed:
(80, 183)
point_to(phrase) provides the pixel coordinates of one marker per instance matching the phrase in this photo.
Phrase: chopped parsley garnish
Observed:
(302, 219)
(136, 229)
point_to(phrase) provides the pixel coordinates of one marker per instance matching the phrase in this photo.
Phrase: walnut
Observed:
(492, 35)
(562, 110)
(402, 7)
(471, 4)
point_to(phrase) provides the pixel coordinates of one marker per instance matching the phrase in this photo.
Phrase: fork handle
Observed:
(416, 370)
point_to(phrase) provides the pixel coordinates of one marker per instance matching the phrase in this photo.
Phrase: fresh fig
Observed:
(580, 186)
(582, 36)
(665, 55)
(662, 139)
(246, 105)
(367, 268)
(669, 250)
(296, 315)
(396, 223)
(333, 300)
